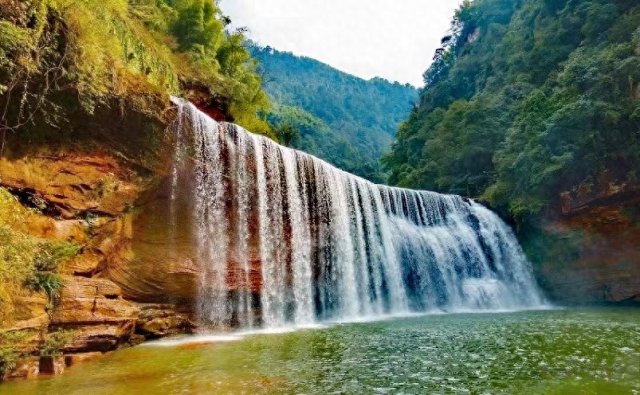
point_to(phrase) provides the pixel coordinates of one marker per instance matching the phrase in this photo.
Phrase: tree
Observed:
(287, 134)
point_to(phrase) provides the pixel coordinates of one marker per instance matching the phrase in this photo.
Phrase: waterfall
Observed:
(284, 238)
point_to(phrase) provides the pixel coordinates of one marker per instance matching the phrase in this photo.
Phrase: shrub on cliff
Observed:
(56, 55)
(27, 263)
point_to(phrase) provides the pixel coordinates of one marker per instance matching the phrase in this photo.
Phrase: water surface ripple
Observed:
(595, 351)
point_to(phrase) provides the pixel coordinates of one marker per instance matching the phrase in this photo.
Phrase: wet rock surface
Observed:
(589, 253)
(157, 320)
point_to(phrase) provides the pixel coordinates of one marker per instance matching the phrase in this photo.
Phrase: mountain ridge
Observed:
(354, 119)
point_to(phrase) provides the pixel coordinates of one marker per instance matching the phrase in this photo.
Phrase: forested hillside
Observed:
(534, 107)
(341, 118)
(529, 98)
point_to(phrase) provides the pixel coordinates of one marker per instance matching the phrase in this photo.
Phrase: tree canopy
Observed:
(341, 118)
(107, 51)
(527, 99)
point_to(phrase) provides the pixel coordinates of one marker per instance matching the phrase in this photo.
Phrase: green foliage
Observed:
(51, 254)
(17, 253)
(220, 60)
(115, 51)
(47, 282)
(528, 99)
(287, 134)
(47, 259)
(8, 359)
(195, 25)
(340, 118)
(26, 262)
(54, 342)
(9, 344)
(314, 136)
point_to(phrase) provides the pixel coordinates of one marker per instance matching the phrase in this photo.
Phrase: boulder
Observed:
(158, 320)
(26, 368)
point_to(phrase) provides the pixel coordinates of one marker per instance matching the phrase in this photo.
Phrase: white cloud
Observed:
(394, 39)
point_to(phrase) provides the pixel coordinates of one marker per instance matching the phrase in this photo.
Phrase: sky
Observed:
(393, 39)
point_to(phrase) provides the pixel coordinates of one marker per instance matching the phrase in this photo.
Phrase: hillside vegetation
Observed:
(336, 116)
(534, 107)
(58, 56)
(525, 100)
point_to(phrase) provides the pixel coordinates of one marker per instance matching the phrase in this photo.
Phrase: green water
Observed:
(558, 352)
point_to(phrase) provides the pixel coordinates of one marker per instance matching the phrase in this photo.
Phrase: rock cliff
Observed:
(587, 251)
(121, 287)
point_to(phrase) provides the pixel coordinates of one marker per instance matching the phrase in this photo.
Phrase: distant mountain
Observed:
(336, 116)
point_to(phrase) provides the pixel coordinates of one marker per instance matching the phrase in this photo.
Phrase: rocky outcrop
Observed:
(94, 310)
(100, 203)
(160, 267)
(157, 320)
(607, 194)
(31, 312)
(589, 254)
(214, 106)
(71, 186)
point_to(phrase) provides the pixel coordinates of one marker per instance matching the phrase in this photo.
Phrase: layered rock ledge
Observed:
(99, 203)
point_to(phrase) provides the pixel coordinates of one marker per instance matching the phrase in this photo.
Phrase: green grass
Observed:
(54, 342)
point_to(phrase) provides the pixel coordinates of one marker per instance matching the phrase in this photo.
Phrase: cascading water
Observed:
(322, 244)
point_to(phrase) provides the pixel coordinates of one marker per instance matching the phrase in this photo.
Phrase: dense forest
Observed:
(526, 100)
(338, 117)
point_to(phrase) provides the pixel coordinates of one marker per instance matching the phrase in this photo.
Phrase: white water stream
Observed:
(330, 245)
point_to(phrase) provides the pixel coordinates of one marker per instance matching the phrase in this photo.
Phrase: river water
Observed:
(587, 351)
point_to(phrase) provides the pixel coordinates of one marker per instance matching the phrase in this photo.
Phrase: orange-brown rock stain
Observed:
(602, 224)
(90, 200)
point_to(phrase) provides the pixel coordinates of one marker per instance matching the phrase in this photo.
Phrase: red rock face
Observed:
(163, 264)
(214, 113)
(602, 229)
(120, 214)
(206, 103)
(90, 200)
(70, 186)
(123, 223)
